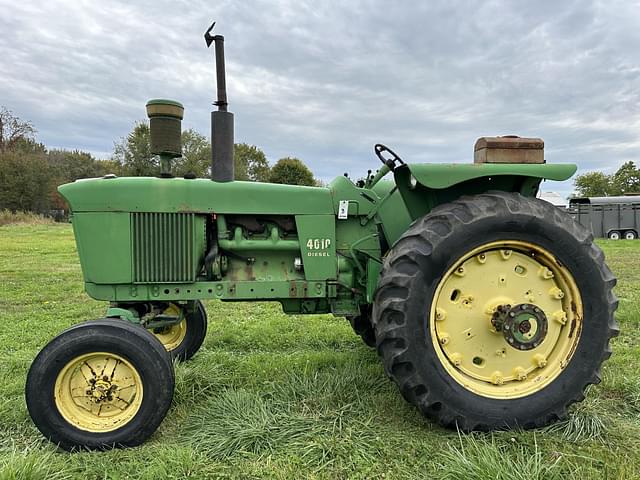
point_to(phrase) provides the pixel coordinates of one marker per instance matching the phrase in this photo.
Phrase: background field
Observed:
(275, 396)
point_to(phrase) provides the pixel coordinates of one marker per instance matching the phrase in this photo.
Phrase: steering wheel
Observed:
(390, 162)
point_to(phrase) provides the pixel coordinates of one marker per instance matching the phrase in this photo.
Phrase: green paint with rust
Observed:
(175, 239)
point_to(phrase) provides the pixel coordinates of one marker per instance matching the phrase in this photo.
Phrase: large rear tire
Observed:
(495, 311)
(100, 384)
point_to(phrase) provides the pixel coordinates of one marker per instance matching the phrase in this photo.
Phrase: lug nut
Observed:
(556, 293)
(456, 359)
(497, 378)
(560, 317)
(441, 314)
(460, 271)
(520, 373)
(540, 360)
(545, 273)
(444, 339)
(481, 258)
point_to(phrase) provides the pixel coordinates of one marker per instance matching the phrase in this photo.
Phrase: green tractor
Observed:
(489, 308)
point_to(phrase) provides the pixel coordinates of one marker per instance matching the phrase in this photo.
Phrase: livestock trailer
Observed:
(608, 217)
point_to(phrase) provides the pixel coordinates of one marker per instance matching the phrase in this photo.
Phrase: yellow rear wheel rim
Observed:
(468, 345)
(172, 336)
(98, 392)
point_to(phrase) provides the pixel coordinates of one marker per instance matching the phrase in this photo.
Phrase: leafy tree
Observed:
(626, 179)
(593, 184)
(196, 155)
(13, 130)
(291, 171)
(598, 184)
(108, 166)
(134, 153)
(25, 181)
(250, 163)
(29, 145)
(67, 166)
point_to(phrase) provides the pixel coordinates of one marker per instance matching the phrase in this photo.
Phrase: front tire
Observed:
(184, 339)
(494, 311)
(363, 327)
(100, 384)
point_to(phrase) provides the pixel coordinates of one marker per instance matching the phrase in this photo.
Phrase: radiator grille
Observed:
(163, 247)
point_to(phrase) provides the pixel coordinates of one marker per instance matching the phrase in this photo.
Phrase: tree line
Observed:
(30, 172)
(625, 181)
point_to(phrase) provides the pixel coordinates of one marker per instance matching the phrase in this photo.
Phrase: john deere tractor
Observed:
(489, 308)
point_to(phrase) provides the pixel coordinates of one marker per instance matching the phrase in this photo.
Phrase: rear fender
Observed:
(425, 186)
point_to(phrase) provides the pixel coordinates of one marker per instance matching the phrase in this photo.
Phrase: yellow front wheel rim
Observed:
(98, 392)
(173, 335)
(474, 350)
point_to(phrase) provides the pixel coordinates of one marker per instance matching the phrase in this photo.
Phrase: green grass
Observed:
(276, 396)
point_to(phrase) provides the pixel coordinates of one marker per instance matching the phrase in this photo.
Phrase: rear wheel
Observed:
(614, 235)
(494, 311)
(185, 338)
(630, 235)
(100, 384)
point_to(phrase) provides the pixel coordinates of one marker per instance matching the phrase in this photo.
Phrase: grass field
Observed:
(276, 396)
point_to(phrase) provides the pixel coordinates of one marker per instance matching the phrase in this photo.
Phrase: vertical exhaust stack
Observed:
(222, 167)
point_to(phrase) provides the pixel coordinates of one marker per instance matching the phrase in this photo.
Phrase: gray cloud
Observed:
(324, 80)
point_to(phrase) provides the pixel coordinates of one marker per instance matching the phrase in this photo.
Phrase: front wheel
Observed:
(185, 338)
(630, 235)
(363, 327)
(100, 384)
(495, 311)
(614, 235)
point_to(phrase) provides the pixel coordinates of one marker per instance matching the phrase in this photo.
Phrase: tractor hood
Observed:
(150, 194)
(444, 175)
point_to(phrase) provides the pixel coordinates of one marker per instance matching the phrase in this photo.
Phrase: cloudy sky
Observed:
(324, 81)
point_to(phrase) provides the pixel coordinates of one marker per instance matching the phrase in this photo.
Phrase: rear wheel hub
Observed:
(523, 326)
